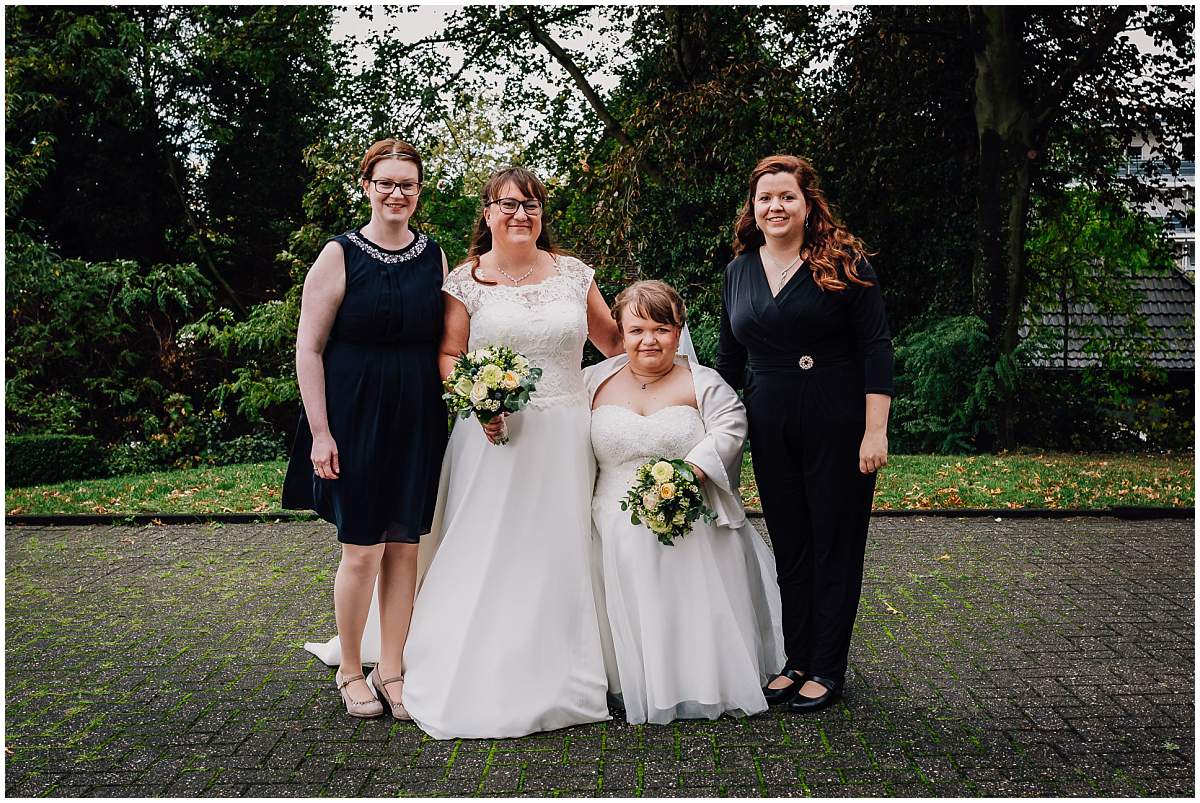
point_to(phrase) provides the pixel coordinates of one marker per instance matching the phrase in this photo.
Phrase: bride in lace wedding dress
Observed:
(504, 638)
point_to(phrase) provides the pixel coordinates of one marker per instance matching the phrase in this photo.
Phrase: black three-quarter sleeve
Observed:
(731, 354)
(871, 331)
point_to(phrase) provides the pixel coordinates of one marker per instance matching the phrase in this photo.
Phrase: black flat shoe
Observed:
(616, 708)
(808, 704)
(777, 696)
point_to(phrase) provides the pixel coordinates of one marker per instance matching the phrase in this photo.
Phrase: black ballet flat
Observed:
(777, 696)
(616, 708)
(806, 705)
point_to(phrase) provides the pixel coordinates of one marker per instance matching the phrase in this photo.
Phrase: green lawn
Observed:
(909, 481)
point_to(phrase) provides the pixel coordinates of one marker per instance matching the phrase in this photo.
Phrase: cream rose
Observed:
(479, 392)
(510, 381)
(463, 386)
(662, 471)
(650, 501)
(491, 375)
(667, 491)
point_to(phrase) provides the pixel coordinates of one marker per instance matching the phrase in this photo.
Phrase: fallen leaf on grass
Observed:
(944, 557)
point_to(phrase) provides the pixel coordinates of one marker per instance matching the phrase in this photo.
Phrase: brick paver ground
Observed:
(1024, 657)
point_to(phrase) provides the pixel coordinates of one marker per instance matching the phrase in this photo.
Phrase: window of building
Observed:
(1185, 251)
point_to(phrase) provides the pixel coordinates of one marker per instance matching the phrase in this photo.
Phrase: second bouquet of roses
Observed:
(489, 382)
(666, 496)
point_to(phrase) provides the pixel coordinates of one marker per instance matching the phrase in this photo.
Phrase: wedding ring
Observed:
(806, 362)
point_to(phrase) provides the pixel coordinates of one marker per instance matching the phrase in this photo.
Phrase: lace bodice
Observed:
(547, 322)
(622, 440)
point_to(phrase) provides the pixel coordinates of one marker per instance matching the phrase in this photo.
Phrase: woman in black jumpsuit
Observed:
(803, 307)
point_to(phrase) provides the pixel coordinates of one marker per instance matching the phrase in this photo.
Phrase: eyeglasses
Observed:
(385, 186)
(509, 205)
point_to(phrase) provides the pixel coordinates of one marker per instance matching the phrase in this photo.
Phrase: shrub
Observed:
(255, 448)
(1064, 411)
(945, 388)
(90, 344)
(42, 459)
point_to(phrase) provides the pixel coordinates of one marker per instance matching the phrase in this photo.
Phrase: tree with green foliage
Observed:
(1054, 98)
(153, 164)
(176, 131)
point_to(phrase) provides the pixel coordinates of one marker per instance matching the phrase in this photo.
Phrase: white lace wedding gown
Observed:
(692, 629)
(505, 638)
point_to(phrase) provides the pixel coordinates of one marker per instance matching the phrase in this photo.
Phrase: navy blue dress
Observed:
(382, 397)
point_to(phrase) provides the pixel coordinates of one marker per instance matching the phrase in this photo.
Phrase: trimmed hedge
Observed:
(43, 459)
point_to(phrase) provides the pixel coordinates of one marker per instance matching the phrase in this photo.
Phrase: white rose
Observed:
(463, 386)
(662, 471)
(479, 392)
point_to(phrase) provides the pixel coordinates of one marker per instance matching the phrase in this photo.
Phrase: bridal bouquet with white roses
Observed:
(666, 496)
(490, 382)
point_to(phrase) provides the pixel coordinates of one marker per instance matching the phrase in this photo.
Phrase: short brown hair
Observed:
(651, 299)
(390, 149)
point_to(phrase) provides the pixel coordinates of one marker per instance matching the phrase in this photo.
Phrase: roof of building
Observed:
(1169, 306)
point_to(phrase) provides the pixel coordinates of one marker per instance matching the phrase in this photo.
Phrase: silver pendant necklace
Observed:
(783, 272)
(636, 378)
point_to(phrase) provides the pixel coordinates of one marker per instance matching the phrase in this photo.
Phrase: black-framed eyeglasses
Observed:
(385, 186)
(509, 205)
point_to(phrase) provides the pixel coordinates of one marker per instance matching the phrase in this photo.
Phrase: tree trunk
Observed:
(1006, 151)
(151, 122)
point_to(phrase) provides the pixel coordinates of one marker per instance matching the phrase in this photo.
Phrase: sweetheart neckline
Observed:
(651, 415)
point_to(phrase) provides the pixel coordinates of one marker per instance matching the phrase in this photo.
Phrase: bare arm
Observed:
(456, 334)
(873, 453)
(602, 329)
(324, 289)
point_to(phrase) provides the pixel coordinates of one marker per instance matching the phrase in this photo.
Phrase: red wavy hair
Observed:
(830, 246)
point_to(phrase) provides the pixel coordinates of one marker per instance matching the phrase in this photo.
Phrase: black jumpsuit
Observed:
(813, 355)
(383, 398)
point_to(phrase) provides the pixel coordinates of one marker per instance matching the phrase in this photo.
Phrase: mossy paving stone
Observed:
(1019, 657)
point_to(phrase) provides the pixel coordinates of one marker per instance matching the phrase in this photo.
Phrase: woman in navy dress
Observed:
(802, 305)
(372, 431)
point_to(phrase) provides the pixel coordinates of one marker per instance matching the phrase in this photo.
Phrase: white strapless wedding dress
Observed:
(693, 629)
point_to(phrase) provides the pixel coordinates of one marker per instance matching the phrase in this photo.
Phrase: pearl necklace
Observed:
(516, 279)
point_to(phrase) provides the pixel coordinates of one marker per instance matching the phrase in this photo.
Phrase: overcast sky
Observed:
(427, 20)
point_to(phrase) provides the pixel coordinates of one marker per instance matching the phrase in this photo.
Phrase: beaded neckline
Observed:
(410, 251)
